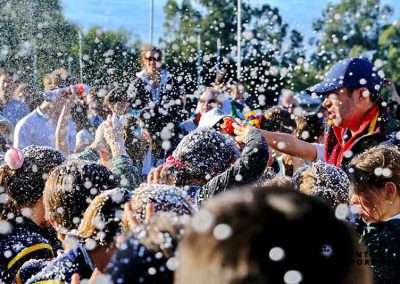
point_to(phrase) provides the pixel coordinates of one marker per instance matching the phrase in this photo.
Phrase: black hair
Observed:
(25, 185)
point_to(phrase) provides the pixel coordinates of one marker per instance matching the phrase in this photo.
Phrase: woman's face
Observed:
(152, 61)
(372, 206)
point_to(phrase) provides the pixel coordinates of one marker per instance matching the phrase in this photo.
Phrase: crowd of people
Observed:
(132, 185)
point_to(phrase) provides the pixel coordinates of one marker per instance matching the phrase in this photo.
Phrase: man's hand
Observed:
(131, 217)
(99, 141)
(114, 135)
(241, 131)
(161, 175)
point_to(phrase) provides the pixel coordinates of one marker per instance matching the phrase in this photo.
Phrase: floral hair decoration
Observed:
(14, 158)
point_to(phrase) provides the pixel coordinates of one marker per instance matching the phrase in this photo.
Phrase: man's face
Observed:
(6, 88)
(342, 108)
(237, 92)
(207, 102)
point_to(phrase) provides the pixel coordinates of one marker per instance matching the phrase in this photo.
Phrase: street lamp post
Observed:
(80, 55)
(35, 66)
(239, 37)
(218, 54)
(151, 20)
(198, 60)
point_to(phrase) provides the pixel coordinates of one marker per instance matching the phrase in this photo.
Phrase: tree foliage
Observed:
(350, 28)
(267, 47)
(34, 33)
(108, 57)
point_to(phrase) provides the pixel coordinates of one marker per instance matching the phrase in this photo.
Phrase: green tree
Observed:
(108, 57)
(34, 33)
(348, 29)
(265, 44)
(389, 50)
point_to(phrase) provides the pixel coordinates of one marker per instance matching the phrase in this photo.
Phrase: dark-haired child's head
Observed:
(278, 119)
(164, 198)
(117, 101)
(25, 184)
(310, 127)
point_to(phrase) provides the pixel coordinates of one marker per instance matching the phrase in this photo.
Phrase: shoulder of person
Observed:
(383, 232)
(389, 124)
(30, 268)
(29, 118)
(21, 245)
(62, 268)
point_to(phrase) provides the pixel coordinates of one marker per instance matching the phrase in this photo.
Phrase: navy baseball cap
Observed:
(350, 73)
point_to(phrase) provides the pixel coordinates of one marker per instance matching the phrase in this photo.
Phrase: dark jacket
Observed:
(25, 241)
(383, 242)
(382, 131)
(134, 263)
(169, 96)
(245, 170)
(76, 260)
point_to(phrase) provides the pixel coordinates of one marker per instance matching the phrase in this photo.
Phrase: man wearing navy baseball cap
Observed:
(357, 117)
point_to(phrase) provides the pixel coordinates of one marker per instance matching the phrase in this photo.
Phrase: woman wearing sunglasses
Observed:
(154, 85)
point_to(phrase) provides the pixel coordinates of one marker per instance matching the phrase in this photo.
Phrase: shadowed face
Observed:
(208, 101)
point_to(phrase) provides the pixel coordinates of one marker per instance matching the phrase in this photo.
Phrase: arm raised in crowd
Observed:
(285, 143)
(62, 126)
(111, 133)
(122, 164)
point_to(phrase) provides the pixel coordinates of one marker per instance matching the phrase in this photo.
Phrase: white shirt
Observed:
(397, 216)
(320, 151)
(38, 129)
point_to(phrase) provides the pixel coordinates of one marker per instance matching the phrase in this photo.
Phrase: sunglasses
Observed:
(152, 59)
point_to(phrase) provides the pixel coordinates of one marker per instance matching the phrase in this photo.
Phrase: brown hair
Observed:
(164, 198)
(69, 190)
(146, 48)
(373, 168)
(259, 235)
(102, 220)
(278, 119)
(115, 95)
(59, 78)
(309, 127)
(324, 181)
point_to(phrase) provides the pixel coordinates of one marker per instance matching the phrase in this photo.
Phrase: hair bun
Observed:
(14, 158)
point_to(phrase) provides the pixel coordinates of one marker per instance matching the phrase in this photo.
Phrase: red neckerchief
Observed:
(339, 147)
(196, 118)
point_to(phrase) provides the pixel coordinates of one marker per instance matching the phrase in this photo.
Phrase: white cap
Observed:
(212, 117)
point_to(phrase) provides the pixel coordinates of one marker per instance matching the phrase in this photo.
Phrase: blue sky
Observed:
(133, 15)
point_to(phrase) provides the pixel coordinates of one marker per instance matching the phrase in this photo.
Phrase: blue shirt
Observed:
(14, 110)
